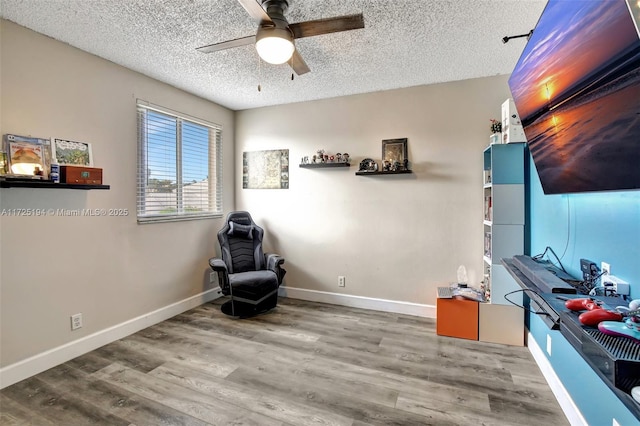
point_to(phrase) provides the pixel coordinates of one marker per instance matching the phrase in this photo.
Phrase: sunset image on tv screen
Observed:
(634, 7)
(577, 90)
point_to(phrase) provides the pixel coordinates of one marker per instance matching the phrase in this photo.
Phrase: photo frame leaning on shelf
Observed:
(72, 153)
(25, 157)
(395, 150)
(24, 153)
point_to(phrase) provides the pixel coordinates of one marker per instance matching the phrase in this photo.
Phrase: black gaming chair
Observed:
(245, 273)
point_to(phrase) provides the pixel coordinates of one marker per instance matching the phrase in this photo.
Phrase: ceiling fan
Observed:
(274, 38)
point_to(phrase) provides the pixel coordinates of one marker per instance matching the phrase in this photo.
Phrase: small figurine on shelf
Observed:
(331, 158)
(345, 157)
(314, 159)
(54, 173)
(496, 126)
(386, 166)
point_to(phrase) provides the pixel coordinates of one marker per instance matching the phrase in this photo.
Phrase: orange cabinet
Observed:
(457, 318)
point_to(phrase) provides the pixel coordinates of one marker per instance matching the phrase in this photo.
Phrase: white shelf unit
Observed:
(504, 217)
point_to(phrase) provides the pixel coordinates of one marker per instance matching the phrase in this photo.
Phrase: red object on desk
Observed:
(596, 316)
(582, 304)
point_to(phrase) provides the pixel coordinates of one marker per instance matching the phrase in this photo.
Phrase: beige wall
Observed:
(109, 268)
(393, 237)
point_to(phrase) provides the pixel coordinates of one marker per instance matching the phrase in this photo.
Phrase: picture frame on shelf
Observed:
(27, 156)
(395, 150)
(72, 153)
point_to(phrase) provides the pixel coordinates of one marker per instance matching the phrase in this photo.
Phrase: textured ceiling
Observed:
(404, 43)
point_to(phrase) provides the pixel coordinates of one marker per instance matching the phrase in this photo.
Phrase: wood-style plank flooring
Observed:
(301, 364)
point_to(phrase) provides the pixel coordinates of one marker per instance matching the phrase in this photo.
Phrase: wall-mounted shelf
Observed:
(397, 172)
(324, 165)
(47, 185)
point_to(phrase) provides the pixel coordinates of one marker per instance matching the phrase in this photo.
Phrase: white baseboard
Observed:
(564, 399)
(384, 305)
(43, 361)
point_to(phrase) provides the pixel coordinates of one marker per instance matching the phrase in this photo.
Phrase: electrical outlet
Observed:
(605, 268)
(549, 344)
(341, 281)
(76, 321)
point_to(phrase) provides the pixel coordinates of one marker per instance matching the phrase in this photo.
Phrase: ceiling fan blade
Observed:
(255, 10)
(326, 26)
(298, 64)
(227, 44)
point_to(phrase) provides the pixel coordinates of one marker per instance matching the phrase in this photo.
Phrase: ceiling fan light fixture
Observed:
(274, 45)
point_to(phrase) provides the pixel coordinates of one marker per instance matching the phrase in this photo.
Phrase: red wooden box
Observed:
(81, 175)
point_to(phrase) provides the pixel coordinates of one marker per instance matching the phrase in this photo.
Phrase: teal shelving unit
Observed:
(504, 216)
(504, 236)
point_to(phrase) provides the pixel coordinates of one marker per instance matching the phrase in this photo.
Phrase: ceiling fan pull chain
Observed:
(291, 65)
(259, 74)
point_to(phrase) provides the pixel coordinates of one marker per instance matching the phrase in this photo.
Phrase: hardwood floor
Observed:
(303, 363)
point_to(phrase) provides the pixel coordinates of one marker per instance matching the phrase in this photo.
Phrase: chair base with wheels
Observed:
(245, 273)
(243, 309)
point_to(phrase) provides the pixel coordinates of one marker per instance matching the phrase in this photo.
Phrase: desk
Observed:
(575, 359)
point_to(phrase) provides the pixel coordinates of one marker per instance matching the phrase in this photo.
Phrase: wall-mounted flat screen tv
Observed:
(577, 90)
(634, 6)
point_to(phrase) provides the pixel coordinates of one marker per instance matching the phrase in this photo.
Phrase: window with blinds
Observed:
(179, 166)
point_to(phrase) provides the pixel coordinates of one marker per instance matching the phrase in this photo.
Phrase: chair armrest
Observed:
(274, 262)
(217, 264)
(220, 268)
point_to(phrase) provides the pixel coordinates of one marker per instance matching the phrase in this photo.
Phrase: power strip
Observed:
(615, 285)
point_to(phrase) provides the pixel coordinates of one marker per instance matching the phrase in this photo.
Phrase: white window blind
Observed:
(179, 166)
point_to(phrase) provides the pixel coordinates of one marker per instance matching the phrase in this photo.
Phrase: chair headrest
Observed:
(240, 230)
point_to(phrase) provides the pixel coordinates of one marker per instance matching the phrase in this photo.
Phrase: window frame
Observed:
(215, 194)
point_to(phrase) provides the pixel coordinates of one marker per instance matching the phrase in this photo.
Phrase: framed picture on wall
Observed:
(72, 153)
(265, 169)
(395, 150)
